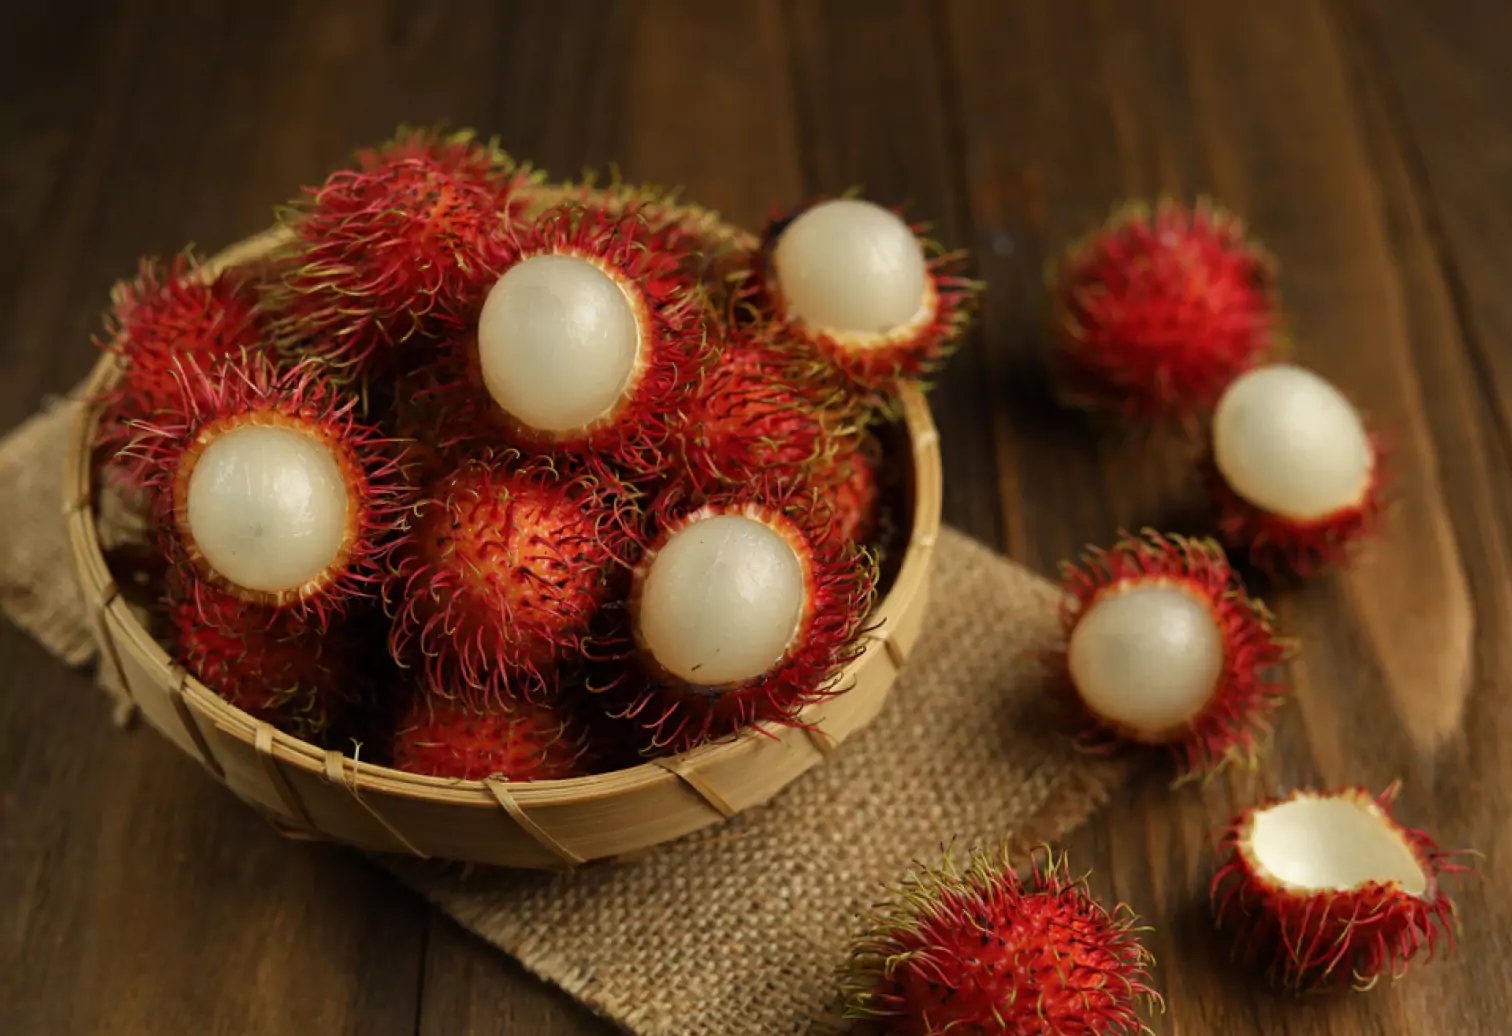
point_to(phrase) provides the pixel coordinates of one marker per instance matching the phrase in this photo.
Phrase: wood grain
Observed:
(1367, 143)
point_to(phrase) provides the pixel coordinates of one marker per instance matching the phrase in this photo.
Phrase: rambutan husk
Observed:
(249, 391)
(671, 309)
(979, 949)
(1230, 726)
(1318, 935)
(1155, 313)
(873, 364)
(840, 586)
(1278, 545)
(506, 565)
(508, 740)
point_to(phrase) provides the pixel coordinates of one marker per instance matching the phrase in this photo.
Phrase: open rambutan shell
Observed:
(977, 949)
(1164, 646)
(1325, 888)
(508, 740)
(1157, 311)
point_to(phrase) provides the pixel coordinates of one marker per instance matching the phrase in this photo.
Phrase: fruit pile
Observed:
(497, 478)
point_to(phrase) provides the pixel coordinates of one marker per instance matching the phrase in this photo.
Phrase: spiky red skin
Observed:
(983, 951)
(512, 741)
(671, 309)
(264, 661)
(1278, 545)
(1228, 728)
(873, 365)
(840, 587)
(462, 155)
(1156, 313)
(1316, 939)
(235, 394)
(500, 578)
(854, 496)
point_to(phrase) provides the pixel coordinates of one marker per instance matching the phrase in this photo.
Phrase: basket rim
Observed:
(94, 576)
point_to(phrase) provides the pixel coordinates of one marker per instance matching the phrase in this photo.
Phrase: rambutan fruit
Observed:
(1325, 888)
(264, 661)
(1164, 646)
(462, 154)
(742, 612)
(1297, 477)
(590, 340)
(852, 282)
(506, 565)
(270, 491)
(1156, 312)
(509, 740)
(855, 496)
(981, 950)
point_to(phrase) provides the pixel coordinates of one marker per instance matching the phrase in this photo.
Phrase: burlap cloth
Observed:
(738, 931)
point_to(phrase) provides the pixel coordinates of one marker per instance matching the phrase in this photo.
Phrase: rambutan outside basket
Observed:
(308, 792)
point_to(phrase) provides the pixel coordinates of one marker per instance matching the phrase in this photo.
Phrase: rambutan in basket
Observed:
(308, 792)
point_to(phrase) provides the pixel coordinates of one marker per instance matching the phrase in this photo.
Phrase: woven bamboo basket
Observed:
(308, 792)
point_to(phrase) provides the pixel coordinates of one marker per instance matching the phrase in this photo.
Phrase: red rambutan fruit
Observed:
(264, 661)
(590, 340)
(482, 163)
(506, 565)
(1297, 477)
(509, 740)
(855, 495)
(741, 612)
(1156, 312)
(981, 950)
(1325, 889)
(269, 489)
(852, 282)
(1164, 646)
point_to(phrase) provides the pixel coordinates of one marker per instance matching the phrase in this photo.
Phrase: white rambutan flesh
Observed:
(1289, 442)
(1336, 843)
(558, 340)
(1147, 658)
(722, 600)
(267, 507)
(848, 265)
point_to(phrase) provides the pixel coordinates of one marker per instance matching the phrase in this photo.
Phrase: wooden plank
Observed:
(1258, 105)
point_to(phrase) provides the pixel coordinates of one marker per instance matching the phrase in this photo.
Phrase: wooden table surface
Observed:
(1369, 143)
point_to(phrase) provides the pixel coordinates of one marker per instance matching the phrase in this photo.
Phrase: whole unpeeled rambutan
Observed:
(1297, 477)
(1164, 646)
(264, 661)
(980, 950)
(742, 612)
(270, 490)
(850, 281)
(462, 154)
(1155, 313)
(503, 572)
(590, 340)
(1325, 888)
(508, 740)
(854, 494)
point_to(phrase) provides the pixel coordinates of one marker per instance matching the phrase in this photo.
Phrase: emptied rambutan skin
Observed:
(1311, 930)
(1199, 629)
(497, 585)
(306, 418)
(833, 595)
(977, 949)
(508, 740)
(1156, 312)
(915, 311)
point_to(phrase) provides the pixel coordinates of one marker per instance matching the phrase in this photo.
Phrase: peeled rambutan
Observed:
(509, 740)
(1325, 888)
(590, 340)
(741, 612)
(1156, 312)
(263, 661)
(1164, 646)
(981, 950)
(1297, 477)
(851, 281)
(506, 565)
(269, 489)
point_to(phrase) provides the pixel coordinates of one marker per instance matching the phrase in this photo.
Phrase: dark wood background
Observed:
(1369, 143)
